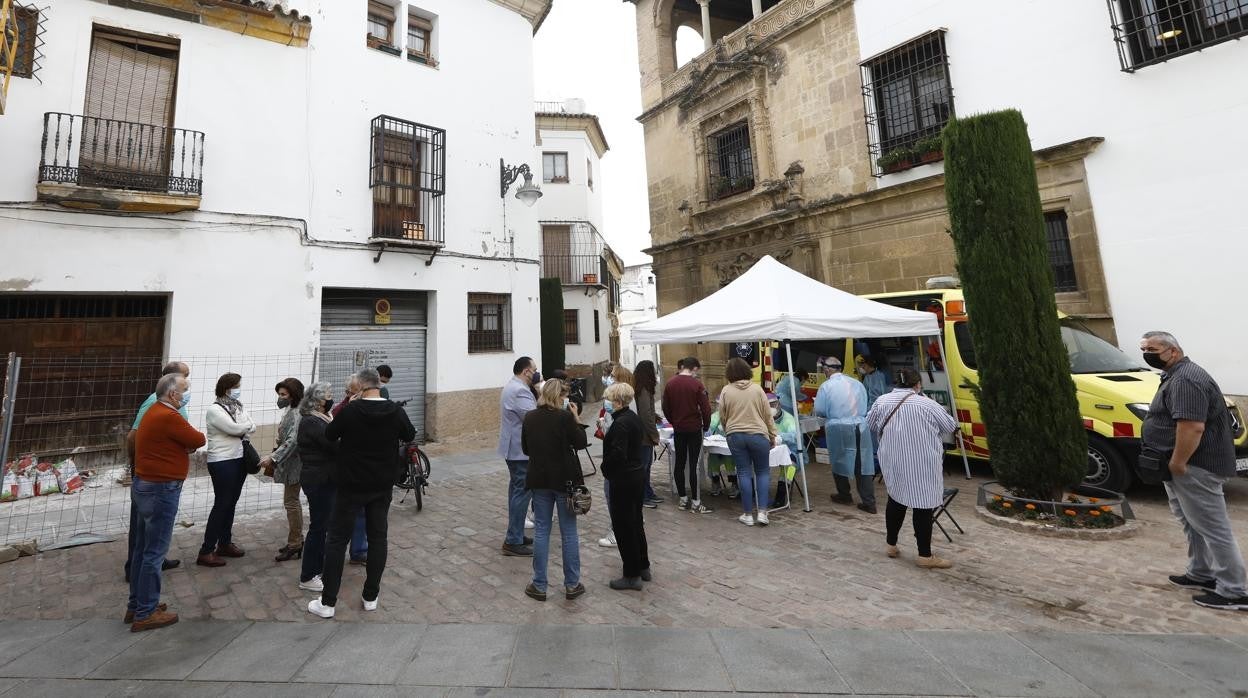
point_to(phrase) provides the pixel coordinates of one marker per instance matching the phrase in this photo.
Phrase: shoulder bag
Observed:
(889, 418)
(251, 457)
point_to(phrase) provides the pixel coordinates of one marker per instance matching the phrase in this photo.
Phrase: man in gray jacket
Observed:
(516, 401)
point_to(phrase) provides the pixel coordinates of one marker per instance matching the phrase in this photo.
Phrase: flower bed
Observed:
(1110, 510)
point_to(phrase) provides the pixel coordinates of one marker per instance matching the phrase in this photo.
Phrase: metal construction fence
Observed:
(65, 415)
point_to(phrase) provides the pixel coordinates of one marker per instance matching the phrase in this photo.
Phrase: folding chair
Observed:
(593, 466)
(943, 510)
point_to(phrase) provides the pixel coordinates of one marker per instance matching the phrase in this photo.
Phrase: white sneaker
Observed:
(746, 519)
(608, 541)
(684, 503)
(369, 605)
(528, 524)
(313, 584)
(316, 609)
(762, 517)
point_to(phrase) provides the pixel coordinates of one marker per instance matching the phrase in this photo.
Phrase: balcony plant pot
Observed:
(931, 156)
(896, 160)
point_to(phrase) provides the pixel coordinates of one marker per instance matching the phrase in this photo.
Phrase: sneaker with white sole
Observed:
(608, 541)
(317, 609)
(683, 503)
(369, 605)
(746, 519)
(762, 519)
(313, 584)
(699, 508)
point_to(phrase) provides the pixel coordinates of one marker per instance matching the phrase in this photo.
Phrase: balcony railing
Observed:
(576, 269)
(94, 152)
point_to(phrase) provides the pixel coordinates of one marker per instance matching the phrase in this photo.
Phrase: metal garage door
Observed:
(349, 342)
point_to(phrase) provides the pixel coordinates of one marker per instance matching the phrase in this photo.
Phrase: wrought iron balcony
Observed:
(576, 269)
(88, 151)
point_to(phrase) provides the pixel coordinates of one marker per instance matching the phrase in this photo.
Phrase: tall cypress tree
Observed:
(1035, 431)
(551, 305)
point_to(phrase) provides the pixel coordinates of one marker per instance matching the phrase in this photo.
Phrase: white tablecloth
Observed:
(718, 445)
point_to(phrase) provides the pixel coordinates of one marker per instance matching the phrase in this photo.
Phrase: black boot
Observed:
(626, 584)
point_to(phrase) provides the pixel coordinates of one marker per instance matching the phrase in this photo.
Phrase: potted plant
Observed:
(930, 149)
(1039, 446)
(896, 160)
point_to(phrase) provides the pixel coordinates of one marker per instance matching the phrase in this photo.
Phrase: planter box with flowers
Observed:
(930, 149)
(896, 160)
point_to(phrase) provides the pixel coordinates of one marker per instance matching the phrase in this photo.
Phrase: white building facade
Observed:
(571, 145)
(1161, 83)
(638, 303)
(273, 183)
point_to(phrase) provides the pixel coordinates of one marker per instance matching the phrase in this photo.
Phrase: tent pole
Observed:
(953, 402)
(801, 452)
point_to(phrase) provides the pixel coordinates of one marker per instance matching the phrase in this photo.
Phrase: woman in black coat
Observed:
(623, 467)
(550, 437)
(317, 455)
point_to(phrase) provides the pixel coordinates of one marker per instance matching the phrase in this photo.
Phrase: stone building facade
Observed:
(763, 145)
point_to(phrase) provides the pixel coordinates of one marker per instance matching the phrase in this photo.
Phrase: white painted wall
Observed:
(1168, 182)
(287, 135)
(638, 304)
(588, 352)
(573, 200)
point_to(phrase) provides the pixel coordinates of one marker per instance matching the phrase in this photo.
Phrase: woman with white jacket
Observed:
(228, 424)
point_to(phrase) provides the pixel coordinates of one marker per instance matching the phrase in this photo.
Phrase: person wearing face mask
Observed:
(228, 424)
(283, 465)
(359, 537)
(1188, 433)
(162, 461)
(910, 427)
(787, 433)
(550, 437)
(514, 403)
(842, 403)
(873, 379)
(606, 417)
(317, 455)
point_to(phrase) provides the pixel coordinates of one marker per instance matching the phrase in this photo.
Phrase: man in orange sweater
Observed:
(163, 445)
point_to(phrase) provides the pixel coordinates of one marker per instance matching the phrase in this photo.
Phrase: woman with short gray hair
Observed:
(316, 456)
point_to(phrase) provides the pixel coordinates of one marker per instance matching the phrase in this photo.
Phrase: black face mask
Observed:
(329, 405)
(1153, 358)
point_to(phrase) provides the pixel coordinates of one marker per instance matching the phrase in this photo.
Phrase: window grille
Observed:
(554, 167)
(27, 22)
(1154, 31)
(571, 326)
(597, 332)
(407, 176)
(907, 97)
(489, 322)
(731, 161)
(574, 252)
(36, 306)
(1060, 256)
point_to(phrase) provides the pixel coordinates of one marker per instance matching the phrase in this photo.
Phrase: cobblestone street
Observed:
(807, 570)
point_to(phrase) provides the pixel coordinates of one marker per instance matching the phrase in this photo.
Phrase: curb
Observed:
(1127, 530)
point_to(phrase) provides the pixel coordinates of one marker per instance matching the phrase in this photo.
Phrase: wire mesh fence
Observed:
(66, 416)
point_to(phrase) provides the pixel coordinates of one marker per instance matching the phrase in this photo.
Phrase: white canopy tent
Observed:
(773, 302)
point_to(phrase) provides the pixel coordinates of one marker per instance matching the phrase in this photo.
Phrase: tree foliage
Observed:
(551, 303)
(1035, 429)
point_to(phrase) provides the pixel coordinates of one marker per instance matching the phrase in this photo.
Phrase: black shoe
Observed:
(573, 593)
(646, 576)
(517, 550)
(359, 561)
(1185, 582)
(528, 540)
(168, 565)
(626, 584)
(842, 498)
(532, 592)
(656, 499)
(650, 504)
(1219, 602)
(869, 508)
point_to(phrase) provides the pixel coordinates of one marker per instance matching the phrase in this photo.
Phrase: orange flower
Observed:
(1007, 505)
(1031, 507)
(1106, 508)
(1094, 512)
(1094, 500)
(996, 498)
(1069, 512)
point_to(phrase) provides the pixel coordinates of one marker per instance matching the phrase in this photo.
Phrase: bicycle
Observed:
(414, 475)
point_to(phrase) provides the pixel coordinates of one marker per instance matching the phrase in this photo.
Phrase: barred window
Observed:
(1154, 31)
(407, 178)
(908, 96)
(554, 167)
(26, 24)
(731, 161)
(489, 322)
(571, 326)
(1060, 256)
(597, 334)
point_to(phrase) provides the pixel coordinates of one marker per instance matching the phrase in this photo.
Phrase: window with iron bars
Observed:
(26, 26)
(730, 161)
(407, 176)
(908, 101)
(1154, 31)
(571, 326)
(1061, 258)
(489, 322)
(597, 332)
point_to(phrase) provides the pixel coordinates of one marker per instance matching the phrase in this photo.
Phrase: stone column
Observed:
(758, 7)
(706, 24)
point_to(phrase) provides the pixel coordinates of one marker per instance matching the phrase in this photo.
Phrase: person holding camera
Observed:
(550, 437)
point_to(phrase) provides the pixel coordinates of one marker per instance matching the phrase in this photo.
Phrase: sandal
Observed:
(289, 553)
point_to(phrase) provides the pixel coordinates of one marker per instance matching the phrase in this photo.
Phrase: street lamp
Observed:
(528, 193)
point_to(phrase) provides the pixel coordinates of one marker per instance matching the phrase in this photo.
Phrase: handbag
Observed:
(579, 499)
(251, 457)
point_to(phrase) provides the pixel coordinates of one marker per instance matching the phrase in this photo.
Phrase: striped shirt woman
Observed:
(909, 427)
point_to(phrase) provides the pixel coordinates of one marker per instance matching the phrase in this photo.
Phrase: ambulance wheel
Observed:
(1106, 468)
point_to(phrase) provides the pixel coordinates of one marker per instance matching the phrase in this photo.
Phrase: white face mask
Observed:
(775, 413)
(236, 393)
(566, 402)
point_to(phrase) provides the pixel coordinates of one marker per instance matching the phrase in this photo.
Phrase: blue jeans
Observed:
(156, 506)
(647, 460)
(359, 538)
(544, 504)
(320, 503)
(751, 453)
(228, 478)
(518, 499)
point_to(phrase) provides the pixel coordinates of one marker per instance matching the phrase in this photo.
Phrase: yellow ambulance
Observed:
(1114, 389)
